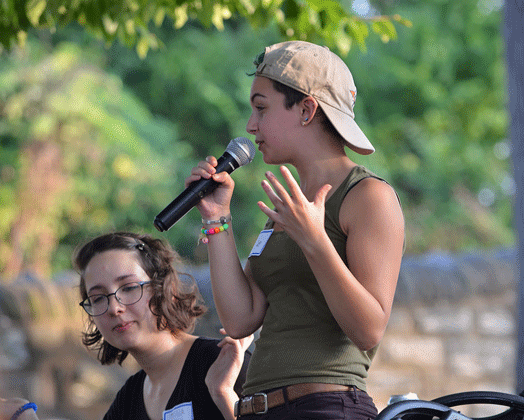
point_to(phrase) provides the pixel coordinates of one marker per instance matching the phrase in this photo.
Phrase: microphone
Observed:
(239, 152)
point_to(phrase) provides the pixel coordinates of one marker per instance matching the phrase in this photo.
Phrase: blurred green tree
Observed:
(116, 163)
(435, 106)
(75, 148)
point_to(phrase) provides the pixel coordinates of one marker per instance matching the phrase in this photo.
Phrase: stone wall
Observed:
(452, 329)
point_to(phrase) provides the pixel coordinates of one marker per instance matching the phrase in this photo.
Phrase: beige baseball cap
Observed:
(316, 71)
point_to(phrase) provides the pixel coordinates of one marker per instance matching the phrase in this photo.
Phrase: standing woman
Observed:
(321, 277)
(138, 305)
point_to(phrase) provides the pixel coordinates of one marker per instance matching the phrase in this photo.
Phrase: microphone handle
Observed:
(192, 195)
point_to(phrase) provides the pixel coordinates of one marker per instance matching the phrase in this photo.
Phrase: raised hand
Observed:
(301, 219)
(223, 373)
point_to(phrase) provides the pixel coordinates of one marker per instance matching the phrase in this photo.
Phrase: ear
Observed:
(308, 109)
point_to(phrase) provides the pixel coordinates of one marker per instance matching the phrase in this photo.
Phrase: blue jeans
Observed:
(340, 405)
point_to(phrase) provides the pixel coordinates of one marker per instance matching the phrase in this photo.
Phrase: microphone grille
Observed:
(242, 149)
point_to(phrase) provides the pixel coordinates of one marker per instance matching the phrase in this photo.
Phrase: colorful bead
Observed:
(212, 231)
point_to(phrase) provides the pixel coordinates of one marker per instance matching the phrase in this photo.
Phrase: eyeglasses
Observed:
(127, 294)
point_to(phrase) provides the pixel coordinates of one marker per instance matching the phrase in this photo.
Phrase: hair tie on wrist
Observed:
(23, 408)
(223, 220)
(204, 233)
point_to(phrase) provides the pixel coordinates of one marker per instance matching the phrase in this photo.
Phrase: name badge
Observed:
(261, 242)
(182, 411)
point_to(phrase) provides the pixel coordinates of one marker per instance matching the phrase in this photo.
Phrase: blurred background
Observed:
(102, 117)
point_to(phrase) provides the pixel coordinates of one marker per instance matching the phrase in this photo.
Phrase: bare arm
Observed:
(240, 303)
(359, 296)
(362, 298)
(223, 373)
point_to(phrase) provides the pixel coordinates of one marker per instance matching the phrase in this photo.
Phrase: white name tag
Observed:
(182, 411)
(261, 242)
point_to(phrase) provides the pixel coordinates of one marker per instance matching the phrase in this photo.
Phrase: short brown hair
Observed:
(175, 304)
(293, 97)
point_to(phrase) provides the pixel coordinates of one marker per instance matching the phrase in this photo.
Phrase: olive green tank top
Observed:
(300, 341)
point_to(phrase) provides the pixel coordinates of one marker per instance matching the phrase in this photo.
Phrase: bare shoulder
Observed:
(371, 200)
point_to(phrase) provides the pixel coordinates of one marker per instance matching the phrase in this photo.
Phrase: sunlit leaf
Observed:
(142, 47)
(343, 42)
(130, 27)
(385, 29)
(34, 9)
(159, 16)
(21, 36)
(357, 30)
(181, 16)
(218, 17)
(110, 26)
(403, 21)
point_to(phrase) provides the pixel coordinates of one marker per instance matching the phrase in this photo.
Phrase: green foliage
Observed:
(130, 21)
(122, 164)
(79, 155)
(199, 80)
(435, 106)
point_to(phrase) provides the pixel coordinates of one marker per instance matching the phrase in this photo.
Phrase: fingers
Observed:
(274, 189)
(227, 340)
(292, 184)
(204, 169)
(320, 197)
(242, 343)
(273, 197)
(246, 341)
(277, 192)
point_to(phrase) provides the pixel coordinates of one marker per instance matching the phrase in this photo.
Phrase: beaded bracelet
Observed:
(211, 231)
(23, 408)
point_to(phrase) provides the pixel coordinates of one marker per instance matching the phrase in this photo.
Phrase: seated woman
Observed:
(138, 305)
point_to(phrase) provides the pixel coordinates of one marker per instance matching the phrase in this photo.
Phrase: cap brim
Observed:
(346, 126)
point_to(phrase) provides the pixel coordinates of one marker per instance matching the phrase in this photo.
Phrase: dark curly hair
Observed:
(176, 304)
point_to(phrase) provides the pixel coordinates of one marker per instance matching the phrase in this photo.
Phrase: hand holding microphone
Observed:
(239, 152)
